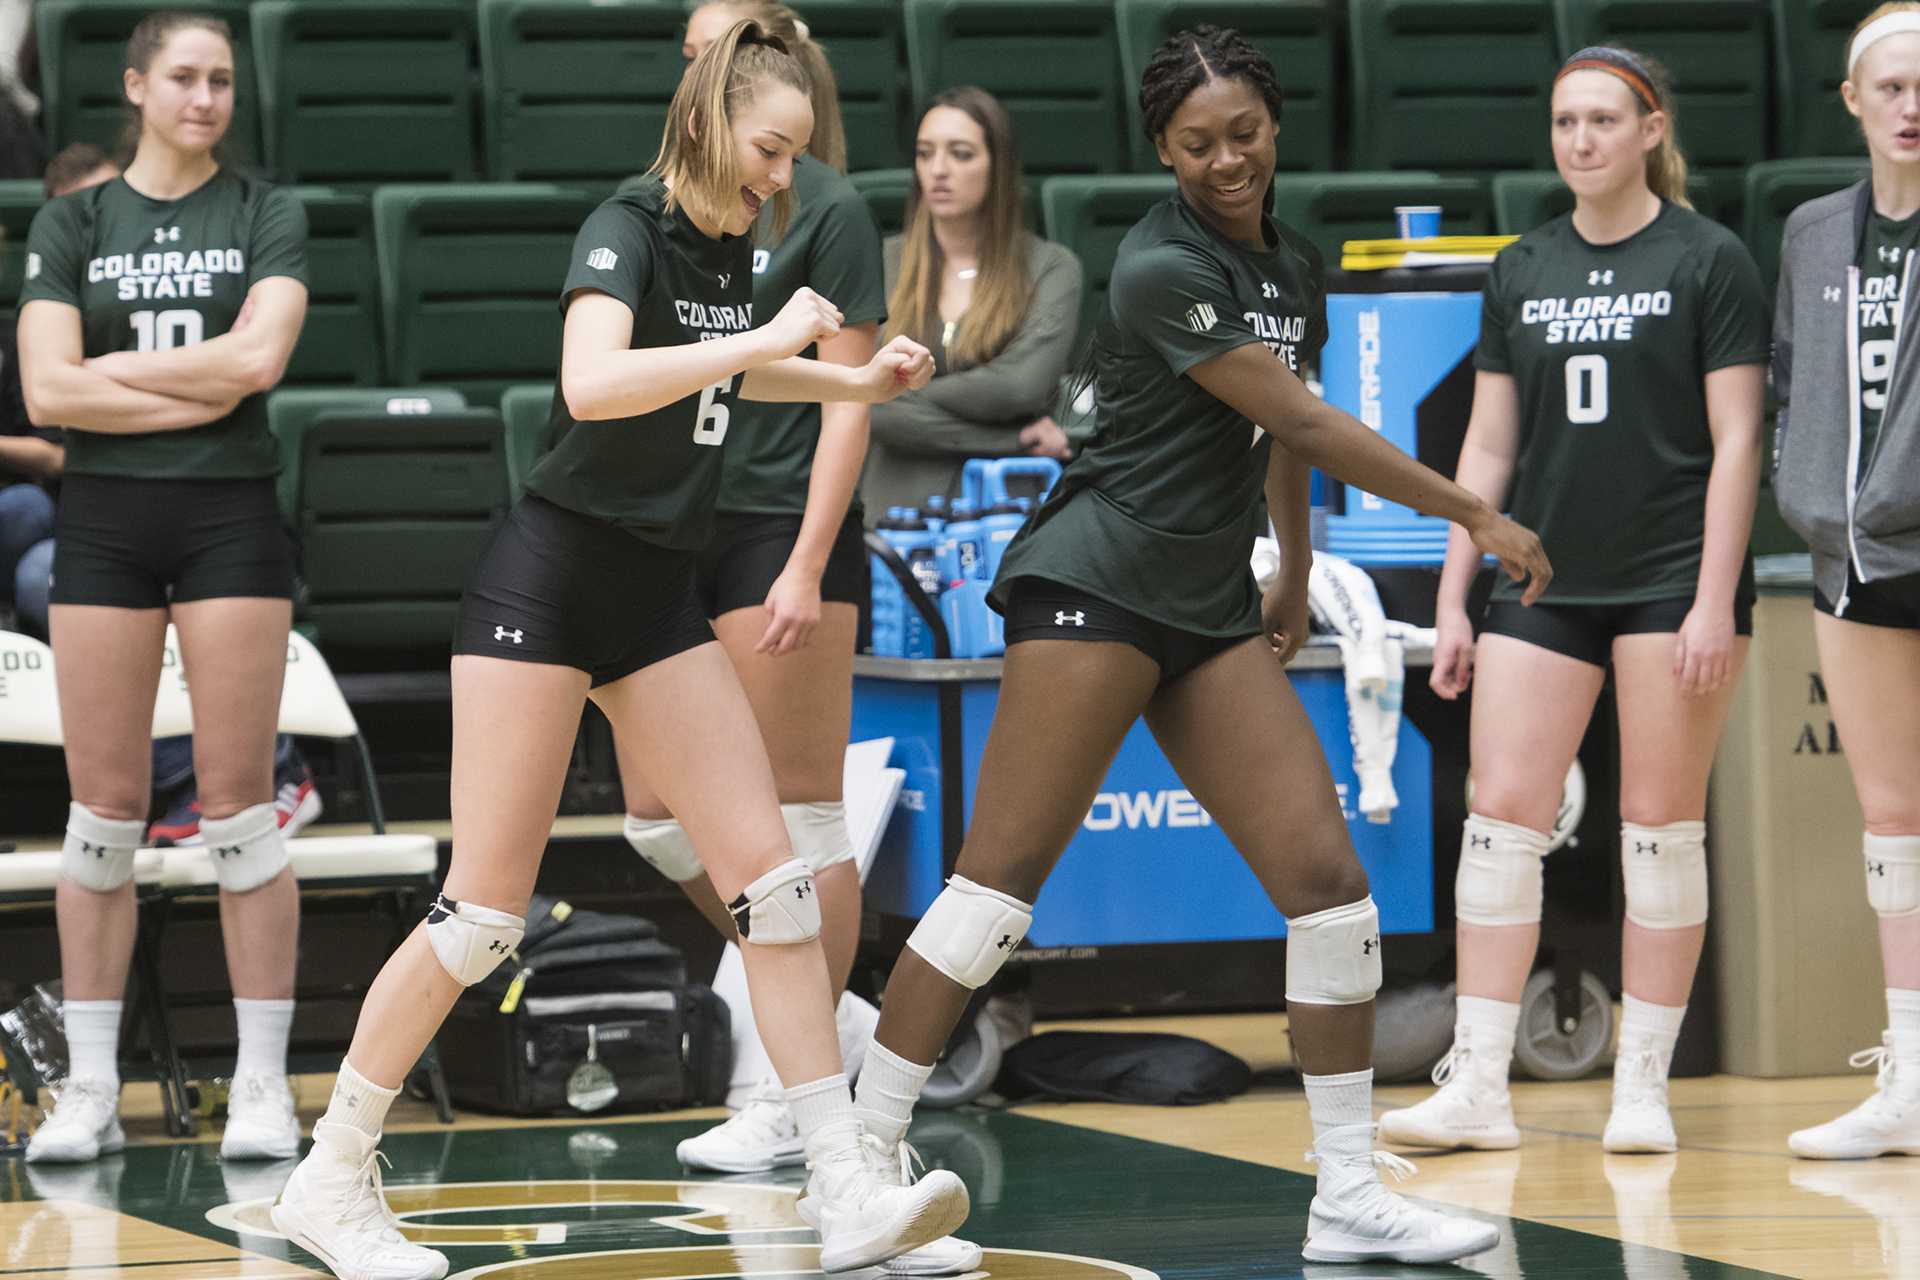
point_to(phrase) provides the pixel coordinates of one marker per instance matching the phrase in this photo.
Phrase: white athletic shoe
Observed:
(1640, 1121)
(760, 1136)
(1472, 1110)
(83, 1125)
(1887, 1123)
(1354, 1218)
(947, 1256)
(261, 1124)
(863, 1201)
(333, 1208)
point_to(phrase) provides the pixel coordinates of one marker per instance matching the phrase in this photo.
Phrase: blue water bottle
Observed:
(898, 629)
(934, 512)
(961, 545)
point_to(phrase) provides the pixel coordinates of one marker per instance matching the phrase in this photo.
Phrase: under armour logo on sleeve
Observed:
(602, 259)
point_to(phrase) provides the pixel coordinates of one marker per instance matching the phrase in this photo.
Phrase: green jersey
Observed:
(832, 246)
(1609, 347)
(656, 474)
(1159, 511)
(147, 275)
(1883, 261)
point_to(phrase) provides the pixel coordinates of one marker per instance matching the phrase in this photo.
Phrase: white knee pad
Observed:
(247, 849)
(1665, 869)
(781, 908)
(1333, 956)
(98, 852)
(819, 833)
(970, 930)
(1893, 875)
(470, 941)
(1498, 882)
(663, 843)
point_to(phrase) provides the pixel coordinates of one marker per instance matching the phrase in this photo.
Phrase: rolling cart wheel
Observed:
(969, 1066)
(1546, 1050)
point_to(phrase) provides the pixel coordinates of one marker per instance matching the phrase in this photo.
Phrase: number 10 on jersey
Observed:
(1586, 389)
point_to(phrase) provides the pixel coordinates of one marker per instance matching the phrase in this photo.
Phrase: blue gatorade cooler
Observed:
(983, 481)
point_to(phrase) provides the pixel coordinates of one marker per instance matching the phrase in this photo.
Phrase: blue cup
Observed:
(1417, 221)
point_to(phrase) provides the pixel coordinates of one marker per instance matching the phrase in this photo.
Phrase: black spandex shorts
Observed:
(748, 551)
(1038, 609)
(1884, 602)
(556, 586)
(135, 543)
(1585, 632)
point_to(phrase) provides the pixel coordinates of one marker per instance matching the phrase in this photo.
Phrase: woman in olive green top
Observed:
(158, 309)
(1130, 593)
(996, 305)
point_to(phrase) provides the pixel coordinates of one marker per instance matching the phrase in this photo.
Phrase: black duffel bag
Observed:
(593, 1013)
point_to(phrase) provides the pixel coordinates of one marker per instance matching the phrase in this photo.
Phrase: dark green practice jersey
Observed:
(148, 275)
(832, 246)
(1609, 347)
(1159, 512)
(657, 474)
(1883, 262)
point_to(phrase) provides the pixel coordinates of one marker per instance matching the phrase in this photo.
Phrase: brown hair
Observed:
(1005, 287)
(1644, 76)
(829, 144)
(144, 45)
(72, 164)
(697, 159)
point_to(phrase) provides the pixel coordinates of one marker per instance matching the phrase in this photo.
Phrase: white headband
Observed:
(1897, 23)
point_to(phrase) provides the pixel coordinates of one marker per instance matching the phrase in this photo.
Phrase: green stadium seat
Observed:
(526, 409)
(470, 280)
(1720, 53)
(1778, 187)
(366, 90)
(1301, 36)
(1523, 201)
(392, 512)
(1055, 66)
(340, 342)
(20, 199)
(885, 191)
(1091, 215)
(290, 410)
(83, 49)
(1452, 84)
(577, 88)
(1331, 209)
(1810, 39)
(862, 40)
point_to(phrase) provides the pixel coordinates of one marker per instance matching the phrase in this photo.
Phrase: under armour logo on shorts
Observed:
(516, 635)
(1201, 317)
(602, 259)
(1078, 618)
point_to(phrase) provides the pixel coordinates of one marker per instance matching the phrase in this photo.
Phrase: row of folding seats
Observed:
(363, 91)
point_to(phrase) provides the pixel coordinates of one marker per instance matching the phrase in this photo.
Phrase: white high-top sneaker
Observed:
(83, 1125)
(868, 1211)
(947, 1256)
(760, 1136)
(334, 1208)
(1887, 1123)
(1472, 1110)
(261, 1124)
(1640, 1120)
(1354, 1218)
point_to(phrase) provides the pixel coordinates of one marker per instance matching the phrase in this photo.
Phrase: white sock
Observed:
(1339, 1102)
(1647, 1026)
(355, 1113)
(93, 1039)
(264, 1025)
(824, 1104)
(1903, 1013)
(889, 1086)
(1489, 1027)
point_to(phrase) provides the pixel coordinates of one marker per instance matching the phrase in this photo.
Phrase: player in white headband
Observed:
(1890, 20)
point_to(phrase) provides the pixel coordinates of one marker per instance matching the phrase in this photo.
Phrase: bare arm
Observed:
(1487, 459)
(248, 359)
(901, 365)
(32, 456)
(602, 378)
(1257, 385)
(1703, 651)
(1284, 611)
(61, 391)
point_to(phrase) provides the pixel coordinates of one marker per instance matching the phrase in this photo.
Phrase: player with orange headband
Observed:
(1617, 408)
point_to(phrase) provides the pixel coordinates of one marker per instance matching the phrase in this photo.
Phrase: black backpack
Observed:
(1109, 1066)
(587, 986)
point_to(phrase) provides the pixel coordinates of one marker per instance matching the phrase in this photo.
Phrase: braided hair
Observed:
(1188, 59)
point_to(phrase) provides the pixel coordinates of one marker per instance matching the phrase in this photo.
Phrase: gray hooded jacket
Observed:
(1849, 504)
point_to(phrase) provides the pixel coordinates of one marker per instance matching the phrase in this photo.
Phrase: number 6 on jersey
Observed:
(711, 425)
